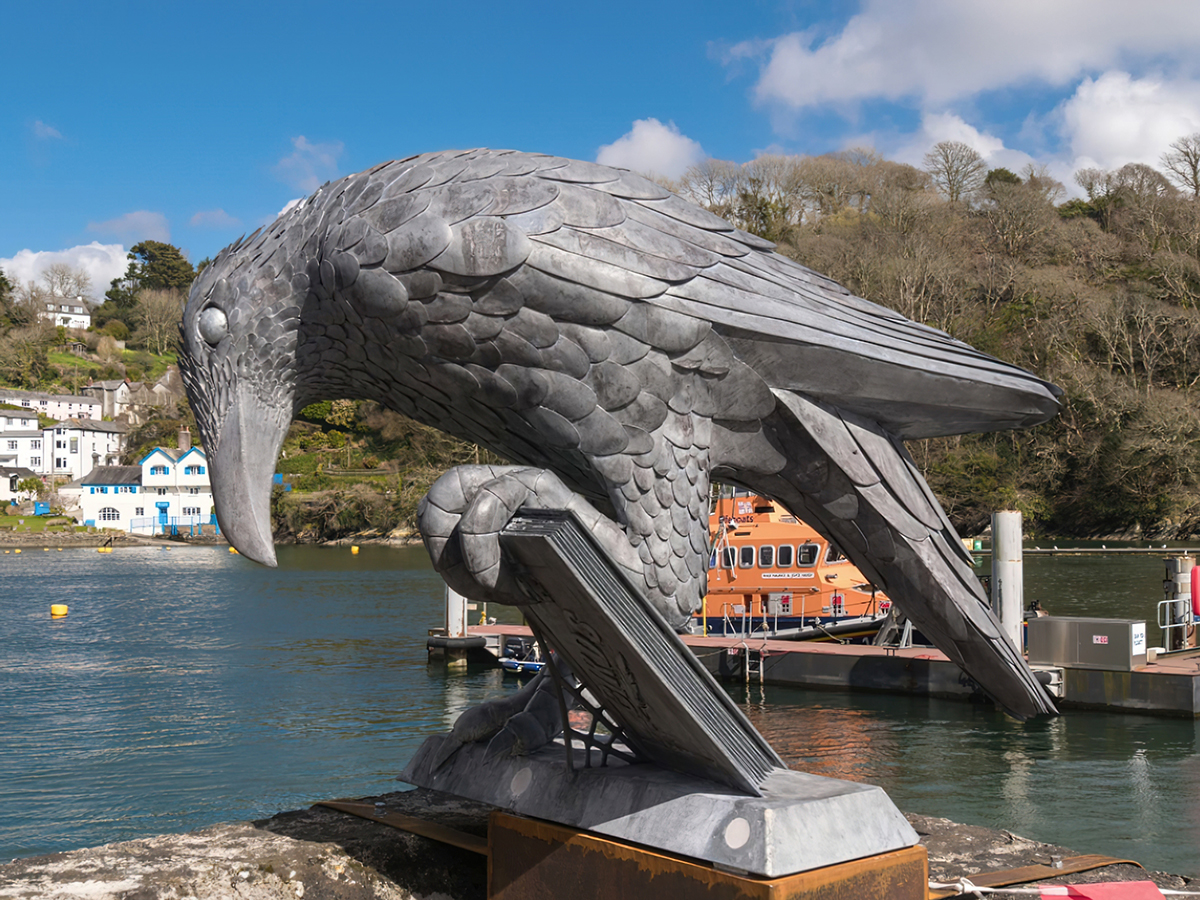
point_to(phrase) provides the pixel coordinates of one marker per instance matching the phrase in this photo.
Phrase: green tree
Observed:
(11, 312)
(153, 265)
(998, 176)
(32, 486)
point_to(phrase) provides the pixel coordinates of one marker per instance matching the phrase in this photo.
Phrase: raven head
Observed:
(240, 331)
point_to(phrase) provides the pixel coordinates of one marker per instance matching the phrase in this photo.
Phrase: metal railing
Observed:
(169, 525)
(1174, 614)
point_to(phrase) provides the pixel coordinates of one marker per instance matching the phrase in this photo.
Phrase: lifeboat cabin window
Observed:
(784, 559)
(728, 558)
(806, 554)
(834, 554)
(766, 556)
(746, 559)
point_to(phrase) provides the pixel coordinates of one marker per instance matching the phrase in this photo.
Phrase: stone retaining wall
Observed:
(318, 853)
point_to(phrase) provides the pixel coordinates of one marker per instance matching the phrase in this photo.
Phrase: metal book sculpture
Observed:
(625, 348)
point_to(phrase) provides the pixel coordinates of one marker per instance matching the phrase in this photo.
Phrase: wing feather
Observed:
(611, 231)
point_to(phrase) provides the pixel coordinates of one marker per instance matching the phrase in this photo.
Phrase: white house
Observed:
(111, 496)
(74, 447)
(10, 477)
(167, 491)
(56, 406)
(68, 313)
(21, 439)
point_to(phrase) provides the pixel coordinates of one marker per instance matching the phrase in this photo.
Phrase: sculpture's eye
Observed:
(213, 325)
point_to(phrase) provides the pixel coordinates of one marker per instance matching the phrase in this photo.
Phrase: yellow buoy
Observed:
(45, 549)
(233, 549)
(354, 548)
(17, 550)
(58, 610)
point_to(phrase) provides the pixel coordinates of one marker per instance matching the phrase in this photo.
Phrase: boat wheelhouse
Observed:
(772, 575)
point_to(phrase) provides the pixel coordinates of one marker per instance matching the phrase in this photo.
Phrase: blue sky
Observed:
(194, 123)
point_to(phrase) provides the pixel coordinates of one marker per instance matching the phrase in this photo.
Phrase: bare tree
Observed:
(66, 281)
(1093, 181)
(59, 283)
(1182, 163)
(1144, 197)
(158, 313)
(712, 184)
(1019, 214)
(958, 171)
(107, 349)
(23, 354)
(1039, 180)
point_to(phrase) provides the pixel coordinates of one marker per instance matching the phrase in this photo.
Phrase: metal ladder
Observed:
(752, 665)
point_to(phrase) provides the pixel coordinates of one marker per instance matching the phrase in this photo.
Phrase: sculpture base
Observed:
(531, 860)
(799, 823)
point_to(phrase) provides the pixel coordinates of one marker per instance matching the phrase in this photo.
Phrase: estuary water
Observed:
(190, 686)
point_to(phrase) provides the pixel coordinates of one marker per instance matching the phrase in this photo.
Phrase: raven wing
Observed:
(621, 237)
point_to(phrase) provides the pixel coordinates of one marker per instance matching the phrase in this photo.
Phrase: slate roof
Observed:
(113, 475)
(92, 425)
(38, 395)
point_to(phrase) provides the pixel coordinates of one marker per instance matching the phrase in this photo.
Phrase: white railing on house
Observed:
(170, 525)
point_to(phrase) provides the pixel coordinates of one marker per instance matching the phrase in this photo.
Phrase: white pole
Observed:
(1179, 590)
(456, 613)
(1008, 579)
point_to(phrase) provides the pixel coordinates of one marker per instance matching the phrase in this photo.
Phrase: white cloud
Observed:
(309, 165)
(103, 262)
(132, 227)
(45, 132)
(937, 51)
(289, 206)
(214, 218)
(1116, 119)
(937, 127)
(650, 146)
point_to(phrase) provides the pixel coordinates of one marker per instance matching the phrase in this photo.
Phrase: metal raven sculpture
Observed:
(625, 347)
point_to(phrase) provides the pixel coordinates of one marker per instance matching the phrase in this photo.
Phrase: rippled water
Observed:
(189, 686)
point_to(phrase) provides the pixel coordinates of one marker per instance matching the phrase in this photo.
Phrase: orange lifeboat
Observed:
(772, 575)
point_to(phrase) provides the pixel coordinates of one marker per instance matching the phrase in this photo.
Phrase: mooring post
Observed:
(456, 613)
(1178, 587)
(1008, 577)
(456, 626)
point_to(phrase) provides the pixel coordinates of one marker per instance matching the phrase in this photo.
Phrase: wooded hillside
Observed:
(1099, 295)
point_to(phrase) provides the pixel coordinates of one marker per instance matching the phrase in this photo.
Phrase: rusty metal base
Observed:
(534, 860)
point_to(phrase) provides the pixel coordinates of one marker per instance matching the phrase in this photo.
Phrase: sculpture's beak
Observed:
(240, 472)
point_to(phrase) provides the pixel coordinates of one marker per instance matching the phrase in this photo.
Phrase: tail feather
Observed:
(857, 483)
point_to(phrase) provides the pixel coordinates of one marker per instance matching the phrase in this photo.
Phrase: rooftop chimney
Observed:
(185, 439)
